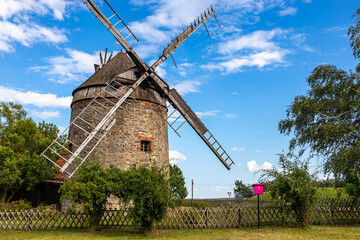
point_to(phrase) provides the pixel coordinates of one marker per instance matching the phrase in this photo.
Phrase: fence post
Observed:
(239, 216)
(206, 217)
(332, 206)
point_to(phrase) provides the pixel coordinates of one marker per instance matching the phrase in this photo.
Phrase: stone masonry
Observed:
(138, 121)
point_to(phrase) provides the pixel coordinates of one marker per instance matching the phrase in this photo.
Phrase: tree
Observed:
(292, 187)
(241, 190)
(327, 119)
(352, 186)
(354, 34)
(177, 183)
(91, 188)
(147, 189)
(21, 142)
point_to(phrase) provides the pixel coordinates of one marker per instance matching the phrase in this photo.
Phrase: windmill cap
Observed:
(118, 64)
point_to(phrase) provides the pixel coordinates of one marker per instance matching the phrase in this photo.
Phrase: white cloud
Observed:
(291, 11)
(258, 151)
(75, 67)
(184, 68)
(46, 114)
(161, 71)
(258, 40)
(258, 49)
(27, 34)
(33, 98)
(20, 8)
(260, 60)
(239, 164)
(336, 29)
(235, 93)
(187, 86)
(207, 114)
(222, 188)
(17, 24)
(230, 115)
(176, 156)
(252, 166)
(170, 17)
(240, 149)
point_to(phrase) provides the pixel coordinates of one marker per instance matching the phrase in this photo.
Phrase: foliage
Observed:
(327, 119)
(292, 187)
(16, 205)
(21, 142)
(352, 186)
(147, 187)
(241, 190)
(331, 193)
(354, 34)
(91, 188)
(177, 183)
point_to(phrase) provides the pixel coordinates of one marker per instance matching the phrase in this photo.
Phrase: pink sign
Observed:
(229, 193)
(258, 189)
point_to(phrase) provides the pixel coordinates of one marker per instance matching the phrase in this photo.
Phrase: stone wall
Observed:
(137, 121)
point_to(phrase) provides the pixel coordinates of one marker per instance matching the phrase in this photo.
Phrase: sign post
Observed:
(258, 190)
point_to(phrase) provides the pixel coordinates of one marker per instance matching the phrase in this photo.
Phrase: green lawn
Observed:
(268, 233)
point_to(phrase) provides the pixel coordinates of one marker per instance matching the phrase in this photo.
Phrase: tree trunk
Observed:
(4, 195)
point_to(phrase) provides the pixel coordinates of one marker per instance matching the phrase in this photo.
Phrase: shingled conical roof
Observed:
(118, 64)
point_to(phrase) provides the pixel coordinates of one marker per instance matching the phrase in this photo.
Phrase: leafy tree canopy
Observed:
(241, 190)
(327, 119)
(354, 34)
(145, 189)
(292, 187)
(177, 183)
(21, 142)
(91, 188)
(148, 189)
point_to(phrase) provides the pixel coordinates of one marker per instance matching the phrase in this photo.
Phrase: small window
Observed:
(145, 146)
(70, 147)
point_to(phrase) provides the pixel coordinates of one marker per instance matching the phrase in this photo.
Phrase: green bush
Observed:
(147, 189)
(292, 187)
(16, 205)
(91, 188)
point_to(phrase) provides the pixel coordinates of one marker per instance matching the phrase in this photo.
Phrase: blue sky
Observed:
(240, 81)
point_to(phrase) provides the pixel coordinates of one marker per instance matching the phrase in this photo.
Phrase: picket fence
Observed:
(244, 215)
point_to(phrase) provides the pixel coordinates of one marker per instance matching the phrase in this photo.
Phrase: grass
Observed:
(330, 192)
(269, 233)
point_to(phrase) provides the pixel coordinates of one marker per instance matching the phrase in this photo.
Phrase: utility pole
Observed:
(192, 189)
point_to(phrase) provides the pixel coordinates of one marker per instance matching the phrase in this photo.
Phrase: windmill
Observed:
(109, 99)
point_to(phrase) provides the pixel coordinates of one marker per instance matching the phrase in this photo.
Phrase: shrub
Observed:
(147, 189)
(292, 187)
(16, 205)
(91, 188)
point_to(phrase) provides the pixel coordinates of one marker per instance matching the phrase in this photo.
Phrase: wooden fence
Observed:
(245, 215)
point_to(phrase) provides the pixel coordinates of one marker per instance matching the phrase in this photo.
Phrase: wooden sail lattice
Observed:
(98, 117)
(95, 132)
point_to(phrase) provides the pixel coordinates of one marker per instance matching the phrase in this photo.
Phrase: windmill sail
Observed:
(179, 103)
(97, 131)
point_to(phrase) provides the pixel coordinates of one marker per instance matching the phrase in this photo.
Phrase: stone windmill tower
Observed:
(120, 114)
(139, 135)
